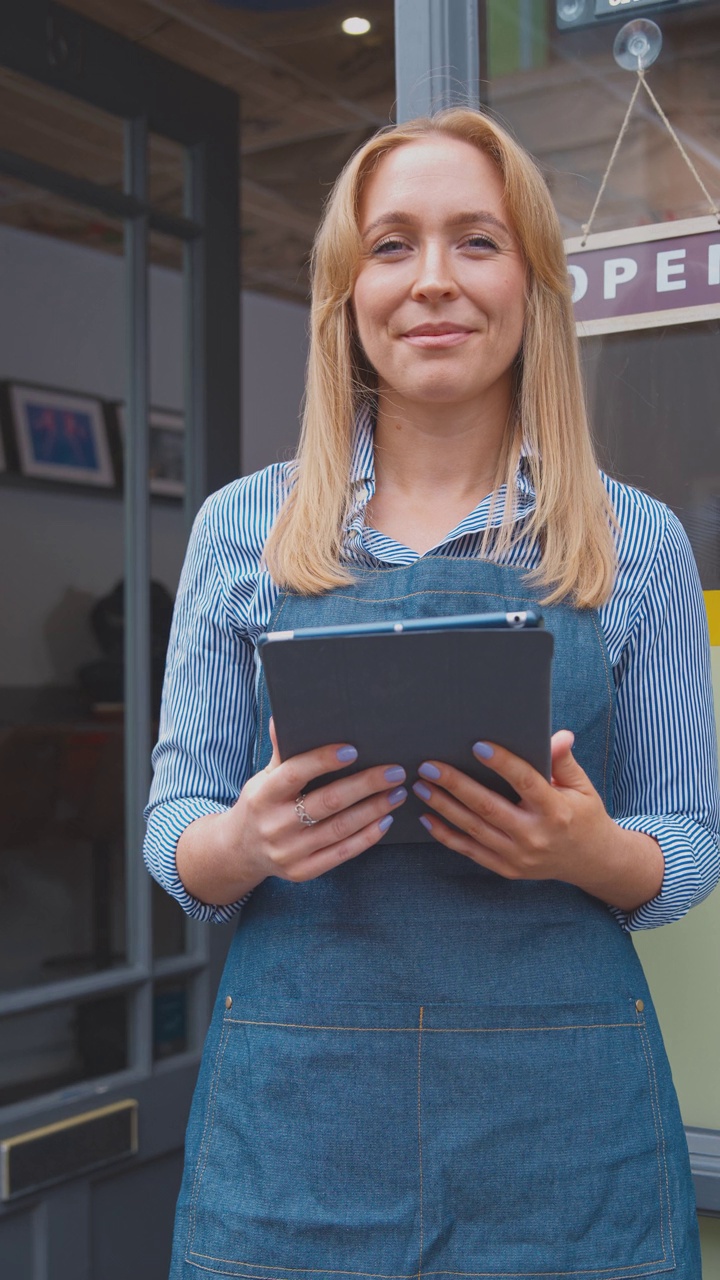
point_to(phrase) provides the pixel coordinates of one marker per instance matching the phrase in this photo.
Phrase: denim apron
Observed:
(419, 1068)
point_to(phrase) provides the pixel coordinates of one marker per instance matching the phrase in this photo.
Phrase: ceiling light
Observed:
(356, 26)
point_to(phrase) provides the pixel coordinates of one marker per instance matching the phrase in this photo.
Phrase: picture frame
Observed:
(60, 436)
(166, 449)
(167, 453)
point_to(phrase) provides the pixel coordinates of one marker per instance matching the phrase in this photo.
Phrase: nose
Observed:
(434, 278)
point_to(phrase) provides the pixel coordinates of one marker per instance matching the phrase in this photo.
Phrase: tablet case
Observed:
(414, 696)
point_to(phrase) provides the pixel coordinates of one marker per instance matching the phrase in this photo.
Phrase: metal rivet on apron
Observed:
(639, 1005)
(228, 1002)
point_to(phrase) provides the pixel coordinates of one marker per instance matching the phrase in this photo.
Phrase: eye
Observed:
(479, 240)
(391, 245)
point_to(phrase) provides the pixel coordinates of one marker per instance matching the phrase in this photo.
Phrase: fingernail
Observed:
(483, 750)
(395, 774)
(429, 771)
(346, 755)
(386, 822)
(426, 823)
(422, 791)
(397, 796)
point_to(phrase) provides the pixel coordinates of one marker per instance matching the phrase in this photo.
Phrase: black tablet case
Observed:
(414, 696)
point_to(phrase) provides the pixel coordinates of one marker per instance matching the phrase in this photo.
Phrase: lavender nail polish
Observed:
(429, 771)
(426, 823)
(422, 791)
(395, 773)
(386, 822)
(397, 796)
(346, 755)
(483, 750)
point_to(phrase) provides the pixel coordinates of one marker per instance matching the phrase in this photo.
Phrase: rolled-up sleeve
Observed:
(666, 768)
(204, 750)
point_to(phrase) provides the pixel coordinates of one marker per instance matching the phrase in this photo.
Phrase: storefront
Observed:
(105, 988)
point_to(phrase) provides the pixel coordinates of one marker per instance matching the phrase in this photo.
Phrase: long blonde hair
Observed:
(572, 519)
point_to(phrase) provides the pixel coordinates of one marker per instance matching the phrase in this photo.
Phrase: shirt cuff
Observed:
(687, 846)
(165, 825)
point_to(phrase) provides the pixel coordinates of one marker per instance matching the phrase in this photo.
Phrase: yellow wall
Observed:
(710, 1243)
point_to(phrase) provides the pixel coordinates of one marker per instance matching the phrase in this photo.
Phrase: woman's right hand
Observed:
(262, 834)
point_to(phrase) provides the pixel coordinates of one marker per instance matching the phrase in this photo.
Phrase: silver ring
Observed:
(302, 812)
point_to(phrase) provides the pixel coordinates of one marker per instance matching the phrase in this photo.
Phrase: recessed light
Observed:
(356, 26)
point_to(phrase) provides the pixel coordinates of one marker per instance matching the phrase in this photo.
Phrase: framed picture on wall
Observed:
(166, 450)
(60, 436)
(167, 453)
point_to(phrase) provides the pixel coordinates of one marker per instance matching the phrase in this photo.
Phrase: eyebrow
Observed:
(398, 218)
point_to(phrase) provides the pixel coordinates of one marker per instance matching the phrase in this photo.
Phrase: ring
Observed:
(302, 812)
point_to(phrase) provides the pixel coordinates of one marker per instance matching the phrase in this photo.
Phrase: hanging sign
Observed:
(646, 277)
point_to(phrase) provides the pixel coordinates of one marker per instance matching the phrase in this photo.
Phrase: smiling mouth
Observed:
(439, 337)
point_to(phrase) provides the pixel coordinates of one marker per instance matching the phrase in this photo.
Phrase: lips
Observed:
(435, 330)
(436, 336)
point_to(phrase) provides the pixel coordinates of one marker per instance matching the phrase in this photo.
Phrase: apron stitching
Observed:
(657, 1117)
(207, 1130)
(209, 1122)
(247, 1275)
(610, 708)
(307, 1026)
(613, 1273)
(657, 1137)
(410, 595)
(420, 1150)
(622, 1273)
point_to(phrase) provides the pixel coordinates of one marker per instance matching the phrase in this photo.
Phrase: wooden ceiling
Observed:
(309, 95)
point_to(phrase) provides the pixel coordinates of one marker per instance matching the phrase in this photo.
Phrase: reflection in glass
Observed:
(62, 878)
(62, 907)
(30, 208)
(170, 1018)
(168, 529)
(166, 174)
(169, 924)
(50, 1049)
(648, 394)
(61, 131)
(568, 110)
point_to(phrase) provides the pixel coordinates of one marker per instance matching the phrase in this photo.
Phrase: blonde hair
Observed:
(572, 519)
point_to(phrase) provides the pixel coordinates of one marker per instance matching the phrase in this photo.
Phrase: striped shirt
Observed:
(665, 767)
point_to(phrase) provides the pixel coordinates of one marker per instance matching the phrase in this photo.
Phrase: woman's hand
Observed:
(221, 857)
(560, 830)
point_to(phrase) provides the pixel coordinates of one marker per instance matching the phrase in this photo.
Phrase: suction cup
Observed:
(637, 44)
(569, 10)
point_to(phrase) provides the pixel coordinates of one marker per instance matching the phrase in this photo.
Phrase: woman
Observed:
(439, 1058)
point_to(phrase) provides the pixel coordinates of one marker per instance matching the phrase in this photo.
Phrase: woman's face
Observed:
(439, 301)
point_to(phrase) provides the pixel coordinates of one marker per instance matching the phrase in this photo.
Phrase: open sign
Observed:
(618, 6)
(644, 277)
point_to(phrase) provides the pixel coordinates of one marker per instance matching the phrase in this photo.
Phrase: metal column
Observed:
(137, 585)
(437, 56)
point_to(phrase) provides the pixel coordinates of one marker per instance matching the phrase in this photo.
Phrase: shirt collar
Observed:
(362, 475)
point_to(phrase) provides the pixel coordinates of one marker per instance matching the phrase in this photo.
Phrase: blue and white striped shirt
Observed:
(665, 769)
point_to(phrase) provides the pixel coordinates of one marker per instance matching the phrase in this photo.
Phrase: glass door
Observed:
(119, 395)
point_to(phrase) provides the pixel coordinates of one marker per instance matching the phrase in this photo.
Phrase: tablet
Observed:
(411, 690)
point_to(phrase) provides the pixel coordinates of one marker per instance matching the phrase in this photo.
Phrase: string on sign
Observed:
(643, 84)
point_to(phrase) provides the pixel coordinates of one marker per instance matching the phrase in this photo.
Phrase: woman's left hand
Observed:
(560, 830)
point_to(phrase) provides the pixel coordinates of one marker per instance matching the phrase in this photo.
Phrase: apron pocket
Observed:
(542, 1143)
(308, 1155)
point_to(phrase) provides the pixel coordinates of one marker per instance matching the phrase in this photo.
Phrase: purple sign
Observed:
(648, 281)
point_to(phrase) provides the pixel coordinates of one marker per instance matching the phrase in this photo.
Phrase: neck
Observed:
(451, 449)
